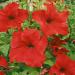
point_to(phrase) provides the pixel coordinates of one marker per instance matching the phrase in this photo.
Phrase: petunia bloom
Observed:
(2, 73)
(56, 41)
(63, 66)
(3, 62)
(28, 47)
(12, 17)
(59, 50)
(51, 21)
(56, 46)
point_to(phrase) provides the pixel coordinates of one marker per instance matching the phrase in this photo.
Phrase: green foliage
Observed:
(31, 24)
(1, 7)
(71, 47)
(60, 6)
(71, 22)
(3, 1)
(4, 43)
(23, 4)
(22, 69)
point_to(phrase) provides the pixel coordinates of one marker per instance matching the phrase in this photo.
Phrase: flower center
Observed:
(11, 17)
(30, 45)
(48, 20)
(54, 74)
(62, 69)
(56, 49)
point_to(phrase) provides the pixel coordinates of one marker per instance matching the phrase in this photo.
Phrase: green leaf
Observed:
(71, 47)
(15, 73)
(5, 49)
(34, 73)
(1, 7)
(49, 62)
(3, 0)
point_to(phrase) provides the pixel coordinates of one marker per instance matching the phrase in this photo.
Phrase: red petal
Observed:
(2, 73)
(3, 62)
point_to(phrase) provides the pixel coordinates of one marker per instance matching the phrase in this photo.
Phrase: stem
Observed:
(30, 5)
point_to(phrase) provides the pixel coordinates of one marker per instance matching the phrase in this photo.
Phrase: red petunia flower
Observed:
(56, 41)
(59, 50)
(52, 21)
(28, 47)
(2, 73)
(56, 46)
(3, 62)
(63, 66)
(12, 17)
